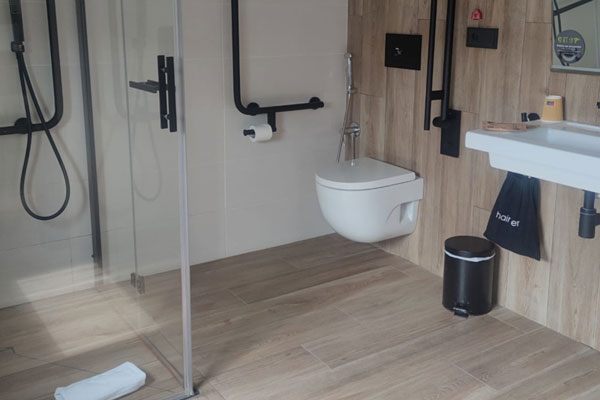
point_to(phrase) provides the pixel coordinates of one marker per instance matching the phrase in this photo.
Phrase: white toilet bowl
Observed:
(366, 200)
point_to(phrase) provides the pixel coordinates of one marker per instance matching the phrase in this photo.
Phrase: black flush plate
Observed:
(403, 51)
(485, 38)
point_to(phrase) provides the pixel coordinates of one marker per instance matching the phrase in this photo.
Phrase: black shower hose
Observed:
(25, 85)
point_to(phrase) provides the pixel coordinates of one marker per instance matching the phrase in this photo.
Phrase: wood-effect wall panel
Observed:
(468, 62)
(399, 122)
(539, 11)
(535, 73)
(355, 7)
(372, 70)
(480, 221)
(528, 280)
(372, 119)
(501, 79)
(575, 273)
(562, 290)
(581, 97)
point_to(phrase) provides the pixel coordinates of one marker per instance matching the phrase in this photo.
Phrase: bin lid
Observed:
(469, 246)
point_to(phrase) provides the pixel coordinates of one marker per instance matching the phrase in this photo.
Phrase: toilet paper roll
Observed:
(262, 133)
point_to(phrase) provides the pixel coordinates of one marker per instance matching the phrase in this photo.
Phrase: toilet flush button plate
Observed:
(403, 51)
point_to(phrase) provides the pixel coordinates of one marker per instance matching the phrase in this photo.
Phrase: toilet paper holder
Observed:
(253, 108)
(249, 132)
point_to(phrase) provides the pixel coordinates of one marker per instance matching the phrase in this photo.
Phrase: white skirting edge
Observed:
(110, 385)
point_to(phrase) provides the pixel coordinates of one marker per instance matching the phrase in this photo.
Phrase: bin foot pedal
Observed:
(460, 312)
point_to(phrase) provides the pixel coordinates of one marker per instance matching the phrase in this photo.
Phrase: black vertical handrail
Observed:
(430, 60)
(448, 58)
(449, 120)
(56, 79)
(443, 94)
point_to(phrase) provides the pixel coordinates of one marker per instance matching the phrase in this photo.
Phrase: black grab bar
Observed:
(253, 108)
(449, 120)
(56, 76)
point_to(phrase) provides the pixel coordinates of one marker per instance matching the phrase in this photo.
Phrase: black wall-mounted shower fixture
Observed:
(18, 40)
(29, 97)
(450, 119)
(253, 108)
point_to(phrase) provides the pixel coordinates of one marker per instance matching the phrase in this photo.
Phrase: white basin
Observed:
(565, 153)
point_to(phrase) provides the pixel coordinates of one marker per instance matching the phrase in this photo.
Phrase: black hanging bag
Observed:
(514, 221)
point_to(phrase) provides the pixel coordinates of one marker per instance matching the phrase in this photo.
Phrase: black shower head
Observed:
(16, 18)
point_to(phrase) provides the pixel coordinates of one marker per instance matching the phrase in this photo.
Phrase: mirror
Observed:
(576, 36)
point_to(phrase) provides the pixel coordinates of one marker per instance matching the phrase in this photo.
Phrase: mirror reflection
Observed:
(576, 35)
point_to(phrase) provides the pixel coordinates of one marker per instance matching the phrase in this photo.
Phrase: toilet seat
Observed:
(367, 200)
(363, 174)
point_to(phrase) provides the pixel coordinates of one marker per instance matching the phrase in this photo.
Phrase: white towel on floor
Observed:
(110, 385)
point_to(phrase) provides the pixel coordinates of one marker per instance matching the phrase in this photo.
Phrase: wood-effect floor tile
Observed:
(521, 358)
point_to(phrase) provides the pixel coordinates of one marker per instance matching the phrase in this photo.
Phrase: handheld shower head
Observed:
(349, 86)
(16, 19)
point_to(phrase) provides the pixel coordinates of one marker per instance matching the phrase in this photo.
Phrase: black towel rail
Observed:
(450, 119)
(253, 108)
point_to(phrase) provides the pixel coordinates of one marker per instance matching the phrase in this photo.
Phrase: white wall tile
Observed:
(291, 51)
(35, 272)
(82, 263)
(206, 188)
(207, 237)
(242, 196)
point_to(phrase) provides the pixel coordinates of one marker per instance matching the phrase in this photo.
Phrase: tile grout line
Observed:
(350, 316)
(516, 327)
(317, 358)
(538, 373)
(523, 334)
(474, 377)
(236, 296)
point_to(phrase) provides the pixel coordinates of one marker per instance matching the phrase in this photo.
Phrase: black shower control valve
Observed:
(17, 47)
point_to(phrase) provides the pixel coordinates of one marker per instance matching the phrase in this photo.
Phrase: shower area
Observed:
(158, 176)
(94, 267)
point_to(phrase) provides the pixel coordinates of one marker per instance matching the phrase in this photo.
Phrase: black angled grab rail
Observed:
(450, 119)
(253, 108)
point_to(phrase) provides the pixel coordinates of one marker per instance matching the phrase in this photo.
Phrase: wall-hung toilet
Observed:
(366, 200)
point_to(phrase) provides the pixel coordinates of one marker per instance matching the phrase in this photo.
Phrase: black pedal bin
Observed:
(468, 275)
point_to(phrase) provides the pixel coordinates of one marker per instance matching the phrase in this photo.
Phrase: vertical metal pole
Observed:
(90, 141)
(430, 60)
(186, 302)
(448, 58)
